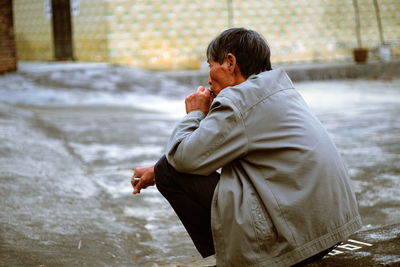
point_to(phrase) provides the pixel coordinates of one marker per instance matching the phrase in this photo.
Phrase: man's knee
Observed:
(162, 171)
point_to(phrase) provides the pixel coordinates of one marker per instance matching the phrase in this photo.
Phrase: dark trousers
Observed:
(190, 196)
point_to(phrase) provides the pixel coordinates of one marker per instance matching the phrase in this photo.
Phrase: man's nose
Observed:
(209, 81)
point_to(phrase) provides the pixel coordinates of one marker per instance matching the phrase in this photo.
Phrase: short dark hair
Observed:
(249, 47)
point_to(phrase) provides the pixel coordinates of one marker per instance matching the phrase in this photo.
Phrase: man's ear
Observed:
(231, 60)
(234, 69)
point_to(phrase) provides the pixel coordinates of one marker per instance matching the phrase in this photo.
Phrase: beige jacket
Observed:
(284, 193)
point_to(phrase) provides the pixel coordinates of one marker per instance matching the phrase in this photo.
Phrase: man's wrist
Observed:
(196, 113)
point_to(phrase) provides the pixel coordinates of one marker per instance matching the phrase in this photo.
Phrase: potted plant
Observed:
(360, 54)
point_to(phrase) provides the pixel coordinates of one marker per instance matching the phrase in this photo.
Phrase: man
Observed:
(283, 196)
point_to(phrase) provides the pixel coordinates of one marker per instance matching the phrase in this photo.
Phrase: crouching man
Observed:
(283, 196)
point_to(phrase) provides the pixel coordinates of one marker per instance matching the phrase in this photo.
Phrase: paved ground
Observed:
(376, 247)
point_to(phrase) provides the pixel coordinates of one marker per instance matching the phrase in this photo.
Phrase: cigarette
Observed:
(124, 169)
(135, 179)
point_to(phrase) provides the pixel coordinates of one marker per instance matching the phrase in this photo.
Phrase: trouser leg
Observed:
(190, 196)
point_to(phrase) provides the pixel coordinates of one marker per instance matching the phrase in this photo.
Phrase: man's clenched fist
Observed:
(199, 100)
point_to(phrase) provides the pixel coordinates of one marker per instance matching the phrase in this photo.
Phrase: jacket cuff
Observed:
(196, 114)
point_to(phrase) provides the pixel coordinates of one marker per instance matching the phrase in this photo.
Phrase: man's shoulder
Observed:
(256, 88)
(268, 82)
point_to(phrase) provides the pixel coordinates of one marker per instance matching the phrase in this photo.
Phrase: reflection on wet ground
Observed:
(68, 138)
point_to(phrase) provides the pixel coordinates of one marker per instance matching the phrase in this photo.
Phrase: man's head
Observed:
(236, 51)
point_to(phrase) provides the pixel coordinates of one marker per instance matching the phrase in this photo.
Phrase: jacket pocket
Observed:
(265, 231)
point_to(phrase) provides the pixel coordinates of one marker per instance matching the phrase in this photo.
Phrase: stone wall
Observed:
(317, 30)
(163, 34)
(33, 31)
(173, 34)
(90, 30)
(7, 45)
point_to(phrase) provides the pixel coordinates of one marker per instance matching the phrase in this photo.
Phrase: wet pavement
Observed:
(375, 247)
(70, 132)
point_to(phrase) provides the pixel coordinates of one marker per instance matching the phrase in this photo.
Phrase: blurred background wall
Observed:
(32, 30)
(174, 34)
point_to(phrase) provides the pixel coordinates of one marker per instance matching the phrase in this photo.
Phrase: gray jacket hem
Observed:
(311, 248)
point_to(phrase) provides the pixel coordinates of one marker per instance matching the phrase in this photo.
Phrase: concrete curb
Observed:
(305, 72)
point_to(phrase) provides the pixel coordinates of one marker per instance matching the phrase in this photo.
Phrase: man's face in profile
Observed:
(219, 76)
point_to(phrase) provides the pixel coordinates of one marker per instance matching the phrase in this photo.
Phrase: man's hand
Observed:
(199, 100)
(146, 175)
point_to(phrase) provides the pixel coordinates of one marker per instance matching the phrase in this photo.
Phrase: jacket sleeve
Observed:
(202, 144)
